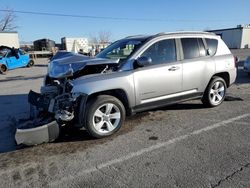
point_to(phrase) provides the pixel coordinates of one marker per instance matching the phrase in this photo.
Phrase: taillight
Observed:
(235, 61)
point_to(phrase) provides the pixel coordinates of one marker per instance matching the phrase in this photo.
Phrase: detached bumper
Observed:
(38, 135)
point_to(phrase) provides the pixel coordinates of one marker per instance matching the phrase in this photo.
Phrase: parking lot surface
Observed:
(184, 145)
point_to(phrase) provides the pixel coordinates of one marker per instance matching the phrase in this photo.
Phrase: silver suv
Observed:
(135, 74)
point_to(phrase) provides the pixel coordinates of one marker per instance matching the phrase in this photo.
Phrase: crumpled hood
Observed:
(64, 61)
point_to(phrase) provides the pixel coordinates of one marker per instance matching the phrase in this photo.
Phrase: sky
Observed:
(142, 17)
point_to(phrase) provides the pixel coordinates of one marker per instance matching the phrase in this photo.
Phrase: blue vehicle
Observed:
(11, 58)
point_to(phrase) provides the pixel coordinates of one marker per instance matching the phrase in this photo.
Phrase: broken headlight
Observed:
(59, 70)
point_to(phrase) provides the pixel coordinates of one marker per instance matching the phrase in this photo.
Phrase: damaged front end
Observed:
(53, 107)
(56, 104)
(56, 98)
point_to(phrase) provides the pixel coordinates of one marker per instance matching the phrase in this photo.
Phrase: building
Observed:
(75, 44)
(10, 39)
(44, 45)
(235, 38)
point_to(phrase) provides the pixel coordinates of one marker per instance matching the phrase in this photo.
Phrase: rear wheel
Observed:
(3, 69)
(31, 63)
(105, 116)
(215, 92)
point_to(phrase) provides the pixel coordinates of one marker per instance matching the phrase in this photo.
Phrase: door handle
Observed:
(174, 68)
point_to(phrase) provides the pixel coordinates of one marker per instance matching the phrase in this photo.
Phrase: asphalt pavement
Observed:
(184, 145)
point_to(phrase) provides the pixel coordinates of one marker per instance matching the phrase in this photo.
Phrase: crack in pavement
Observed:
(228, 177)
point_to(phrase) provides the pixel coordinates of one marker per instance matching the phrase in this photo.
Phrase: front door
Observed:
(163, 78)
(12, 61)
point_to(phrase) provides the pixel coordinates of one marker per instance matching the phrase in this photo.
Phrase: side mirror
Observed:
(143, 61)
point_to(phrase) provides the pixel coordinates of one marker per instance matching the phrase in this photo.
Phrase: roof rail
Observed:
(184, 32)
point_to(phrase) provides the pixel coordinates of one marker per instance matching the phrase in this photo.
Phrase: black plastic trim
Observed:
(80, 110)
(166, 102)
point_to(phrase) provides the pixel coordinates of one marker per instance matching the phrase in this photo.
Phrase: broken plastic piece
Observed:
(37, 135)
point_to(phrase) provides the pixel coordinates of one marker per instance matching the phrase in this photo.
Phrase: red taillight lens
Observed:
(235, 61)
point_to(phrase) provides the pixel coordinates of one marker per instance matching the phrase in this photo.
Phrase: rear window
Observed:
(212, 45)
(22, 52)
(193, 48)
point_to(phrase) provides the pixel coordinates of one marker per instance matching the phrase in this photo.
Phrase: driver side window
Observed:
(10, 54)
(161, 52)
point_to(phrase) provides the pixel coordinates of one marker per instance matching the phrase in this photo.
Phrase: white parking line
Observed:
(149, 149)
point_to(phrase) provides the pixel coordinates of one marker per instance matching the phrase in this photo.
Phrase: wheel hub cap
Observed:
(106, 118)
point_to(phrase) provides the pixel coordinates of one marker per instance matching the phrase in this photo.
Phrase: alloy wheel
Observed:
(217, 93)
(106, 118)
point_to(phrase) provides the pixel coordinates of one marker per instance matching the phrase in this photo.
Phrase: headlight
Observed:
(57, 70)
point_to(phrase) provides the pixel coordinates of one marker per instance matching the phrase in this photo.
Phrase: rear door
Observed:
(163, 77)
(196, 65)
(23, 58)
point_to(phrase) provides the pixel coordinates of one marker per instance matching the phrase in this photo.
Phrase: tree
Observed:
(7, 21)
(104, 38)
(101, 39)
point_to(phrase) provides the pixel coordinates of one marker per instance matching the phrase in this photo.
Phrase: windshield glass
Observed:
(3, 52)
(121, 49)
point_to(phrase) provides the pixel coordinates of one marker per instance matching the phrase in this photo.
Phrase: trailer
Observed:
(9, 38)
(75, 45)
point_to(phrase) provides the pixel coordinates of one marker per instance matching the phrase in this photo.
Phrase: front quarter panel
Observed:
(3, 62)
(104, 82)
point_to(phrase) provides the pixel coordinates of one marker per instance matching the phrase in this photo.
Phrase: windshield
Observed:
(121, 49)
(3, 52)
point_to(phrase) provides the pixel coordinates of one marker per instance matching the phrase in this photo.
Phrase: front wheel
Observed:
(105, 116)
(215, 92)
(31, 63)
(3, 69)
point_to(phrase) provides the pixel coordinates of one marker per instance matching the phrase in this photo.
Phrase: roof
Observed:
(235, 28)
(8, 31)
(239, 27)
(138, 37)
(44, 39)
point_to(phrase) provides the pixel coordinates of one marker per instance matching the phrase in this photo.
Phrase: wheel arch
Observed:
(118, 93)
(224, 75)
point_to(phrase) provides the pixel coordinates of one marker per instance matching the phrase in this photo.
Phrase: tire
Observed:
(3, 69)
(31, 63)
(104, 116)
(215, 92)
